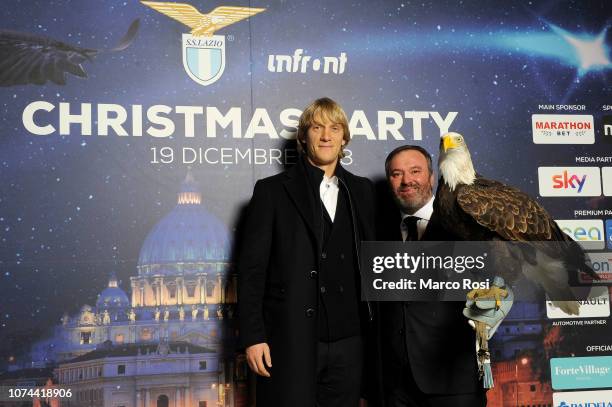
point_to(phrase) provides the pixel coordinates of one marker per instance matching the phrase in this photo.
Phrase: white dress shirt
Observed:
(424, 214)
(329, 194)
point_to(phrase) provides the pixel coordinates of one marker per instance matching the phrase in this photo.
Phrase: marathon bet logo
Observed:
(562, 129)
(203, 52)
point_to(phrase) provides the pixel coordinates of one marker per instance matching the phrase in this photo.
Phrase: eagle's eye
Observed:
(460, 139)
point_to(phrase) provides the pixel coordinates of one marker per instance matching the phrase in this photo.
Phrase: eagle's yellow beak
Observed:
(448, 142)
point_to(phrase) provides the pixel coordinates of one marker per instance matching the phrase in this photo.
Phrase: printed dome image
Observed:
(188, 239)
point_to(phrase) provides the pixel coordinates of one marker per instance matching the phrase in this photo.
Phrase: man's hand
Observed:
(256, 355)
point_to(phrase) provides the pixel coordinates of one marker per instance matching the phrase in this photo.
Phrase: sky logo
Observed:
(609, 233)
(569, 181)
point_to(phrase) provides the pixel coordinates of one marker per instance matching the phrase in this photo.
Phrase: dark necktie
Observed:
(411, 227)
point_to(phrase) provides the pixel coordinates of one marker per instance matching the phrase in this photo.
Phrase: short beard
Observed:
(410, 207)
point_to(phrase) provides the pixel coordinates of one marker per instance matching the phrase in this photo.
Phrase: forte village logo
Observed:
(203, 52)
(581, 372)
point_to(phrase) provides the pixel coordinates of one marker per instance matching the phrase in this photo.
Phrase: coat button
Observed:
(323, 255)
(313, 274)
(322, 290)
(341, 256)
(341, 289)
(400, 331)
(310, 312)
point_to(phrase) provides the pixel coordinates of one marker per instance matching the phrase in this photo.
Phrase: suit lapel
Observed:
(299, 190)
(345, 177)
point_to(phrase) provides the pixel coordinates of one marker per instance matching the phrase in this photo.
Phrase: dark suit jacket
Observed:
(439, 342)
(278, 277)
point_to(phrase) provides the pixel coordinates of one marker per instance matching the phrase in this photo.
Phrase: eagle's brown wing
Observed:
(515, 216)
(507, 211)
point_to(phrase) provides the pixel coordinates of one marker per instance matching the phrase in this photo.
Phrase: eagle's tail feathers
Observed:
(569, 307)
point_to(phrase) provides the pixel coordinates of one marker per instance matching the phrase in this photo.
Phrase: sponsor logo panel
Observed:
(589, 233)
(596, 305)
(581, 372)
(601, 263)
(607, 129)
(562, 129)
(606, 178)
(609, 233)
(569, 181)
(599, 398)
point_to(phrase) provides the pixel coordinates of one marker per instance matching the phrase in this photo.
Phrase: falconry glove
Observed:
(485, 310)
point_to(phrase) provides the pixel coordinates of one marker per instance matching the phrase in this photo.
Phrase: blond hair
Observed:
(324, 108)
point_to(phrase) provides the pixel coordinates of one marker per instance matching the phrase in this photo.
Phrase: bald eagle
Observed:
(470, 207)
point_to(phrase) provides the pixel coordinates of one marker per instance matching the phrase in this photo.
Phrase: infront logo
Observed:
(569, 181)
(298, 62)
(587, 232)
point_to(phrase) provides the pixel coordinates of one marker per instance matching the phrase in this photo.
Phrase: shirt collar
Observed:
(332, 180)
(317, 175)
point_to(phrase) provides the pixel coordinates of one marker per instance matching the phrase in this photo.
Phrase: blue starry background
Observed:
(75, 208)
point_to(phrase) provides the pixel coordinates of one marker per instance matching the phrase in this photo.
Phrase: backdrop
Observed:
(129, 149)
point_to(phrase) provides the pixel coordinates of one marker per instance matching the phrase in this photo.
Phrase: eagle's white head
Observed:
(455, 163)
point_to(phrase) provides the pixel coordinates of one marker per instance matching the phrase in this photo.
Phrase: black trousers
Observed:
(339, 372)
(402, 391)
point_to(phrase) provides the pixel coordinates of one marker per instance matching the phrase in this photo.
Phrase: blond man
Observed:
(301, 317)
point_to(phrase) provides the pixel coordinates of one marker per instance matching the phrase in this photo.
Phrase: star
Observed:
(591, 51)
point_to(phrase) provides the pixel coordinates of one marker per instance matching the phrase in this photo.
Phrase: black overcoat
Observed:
(278, 281)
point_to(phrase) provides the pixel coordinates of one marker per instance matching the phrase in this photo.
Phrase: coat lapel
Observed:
(299, 190)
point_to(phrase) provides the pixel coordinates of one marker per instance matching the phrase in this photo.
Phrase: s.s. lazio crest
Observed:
(203, 52)
(204, 58)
